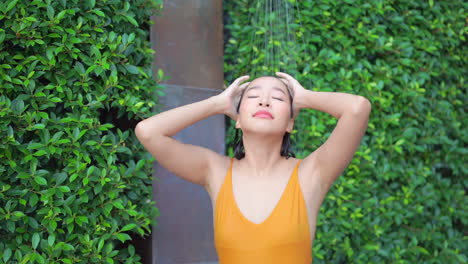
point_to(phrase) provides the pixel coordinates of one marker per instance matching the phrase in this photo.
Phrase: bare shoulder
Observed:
(219, 166)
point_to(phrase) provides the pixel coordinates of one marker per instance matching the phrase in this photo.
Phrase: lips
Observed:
(263, 114)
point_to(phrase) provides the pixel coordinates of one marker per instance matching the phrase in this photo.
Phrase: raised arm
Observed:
(192, 163)
(352, 112)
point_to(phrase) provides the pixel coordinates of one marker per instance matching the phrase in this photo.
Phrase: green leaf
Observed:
(18, 214)
(38, 126)
(57, 136)
(51, 239)
(160, 74)
(35, 145)
(100, 245)
(128, 227)
(49, 52)
(112, 36)
(6, 254)
(118, 204)
(2, 36)
(40, 153)
(40, 180)
(11, 226)
(50, 12)
(30, 19)
(423, 250)
(73, 177)
(64, 188)
(35, 240)
(132, 69)
(79, 67)
(11, 5)
(31, 74)
(63, 141)
(99, 13)
(90, 171)
(83, 219)
(60, 178)
(33, 199)
(55, 100)
(123, 237)
(33, 223)
(132, 20)
(61, 14)
(131, 250)
(67, 247)
(17, 106)
(44, 115)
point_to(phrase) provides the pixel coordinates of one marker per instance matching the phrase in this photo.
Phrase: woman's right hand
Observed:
(228, 97)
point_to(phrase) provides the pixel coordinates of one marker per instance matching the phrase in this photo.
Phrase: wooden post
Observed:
(188, 40)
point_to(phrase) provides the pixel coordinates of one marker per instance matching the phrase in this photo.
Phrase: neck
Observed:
(262, 152)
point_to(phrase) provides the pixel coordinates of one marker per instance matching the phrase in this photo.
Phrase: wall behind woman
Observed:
(402, 199)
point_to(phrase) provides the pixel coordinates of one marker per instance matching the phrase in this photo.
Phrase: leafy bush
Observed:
(74, 77)
(402, 199)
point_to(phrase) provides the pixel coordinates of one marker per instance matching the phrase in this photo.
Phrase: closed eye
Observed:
(278, 99)
(252, 96)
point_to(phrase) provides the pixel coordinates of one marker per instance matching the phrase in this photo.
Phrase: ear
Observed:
(290, 127)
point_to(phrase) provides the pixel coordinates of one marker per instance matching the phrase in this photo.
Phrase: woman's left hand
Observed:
(297, 90)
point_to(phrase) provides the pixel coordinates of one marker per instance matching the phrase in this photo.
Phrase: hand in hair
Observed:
(296, 88)
(228, 97)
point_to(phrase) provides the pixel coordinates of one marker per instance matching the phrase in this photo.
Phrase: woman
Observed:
(265, 202)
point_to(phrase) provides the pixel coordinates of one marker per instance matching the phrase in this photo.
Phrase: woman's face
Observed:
(265, 107)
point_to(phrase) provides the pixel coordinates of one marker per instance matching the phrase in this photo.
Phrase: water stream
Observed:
(276, 36)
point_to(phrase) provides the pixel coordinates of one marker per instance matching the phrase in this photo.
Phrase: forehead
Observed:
(268, 82)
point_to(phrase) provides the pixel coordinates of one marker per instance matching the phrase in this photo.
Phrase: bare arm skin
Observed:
(352, 112)
(155, 133)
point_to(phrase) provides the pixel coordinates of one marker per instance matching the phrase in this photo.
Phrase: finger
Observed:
(285, 75)
(282, 74)
(237, 81)
(241, 79)
(289, 86)
(243, 86)
(285, 81)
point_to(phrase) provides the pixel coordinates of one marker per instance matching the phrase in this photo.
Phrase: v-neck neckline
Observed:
(270, 215)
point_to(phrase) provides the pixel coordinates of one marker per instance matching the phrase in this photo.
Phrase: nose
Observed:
(264, 102)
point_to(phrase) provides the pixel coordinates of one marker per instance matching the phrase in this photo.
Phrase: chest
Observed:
(257, 201)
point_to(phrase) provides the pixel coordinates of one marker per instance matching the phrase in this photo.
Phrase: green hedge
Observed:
(402, 199)
(75, 183)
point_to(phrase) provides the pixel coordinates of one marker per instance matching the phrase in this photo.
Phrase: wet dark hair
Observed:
(286, 148)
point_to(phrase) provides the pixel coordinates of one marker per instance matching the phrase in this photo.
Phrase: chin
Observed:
(266, 130)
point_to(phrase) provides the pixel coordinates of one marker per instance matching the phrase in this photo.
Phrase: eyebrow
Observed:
(258, 87)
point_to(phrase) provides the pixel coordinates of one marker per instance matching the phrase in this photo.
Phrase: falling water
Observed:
(277, 36)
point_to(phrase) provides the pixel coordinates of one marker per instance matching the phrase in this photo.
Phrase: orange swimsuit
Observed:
(284, 237)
